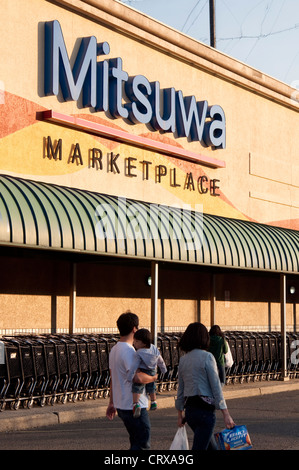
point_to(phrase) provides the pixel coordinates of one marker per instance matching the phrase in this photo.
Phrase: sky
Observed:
(261, 33)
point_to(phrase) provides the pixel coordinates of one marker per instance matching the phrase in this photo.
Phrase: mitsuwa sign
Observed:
(105, 86)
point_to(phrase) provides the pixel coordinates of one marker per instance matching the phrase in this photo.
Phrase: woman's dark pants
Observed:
(202, 423)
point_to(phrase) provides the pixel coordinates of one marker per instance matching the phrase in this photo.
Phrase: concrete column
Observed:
(73, 294)
(154, 300)
(213, 300)
(283, 299)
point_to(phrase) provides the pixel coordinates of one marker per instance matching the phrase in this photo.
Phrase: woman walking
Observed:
(218, 347)
(199, 387)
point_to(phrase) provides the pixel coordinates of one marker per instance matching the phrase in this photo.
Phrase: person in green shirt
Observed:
(218, 347)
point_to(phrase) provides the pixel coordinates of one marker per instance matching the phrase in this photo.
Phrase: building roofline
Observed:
(119, 16)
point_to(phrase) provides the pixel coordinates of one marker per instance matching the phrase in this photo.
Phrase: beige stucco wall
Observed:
(260, 180)
(35, 297)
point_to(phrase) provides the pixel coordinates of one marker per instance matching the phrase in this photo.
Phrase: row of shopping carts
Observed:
(55, 368)
(257, 356)
(48, 369)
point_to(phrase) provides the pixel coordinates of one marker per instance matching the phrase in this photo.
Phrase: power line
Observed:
(291, 65)
(265, 16)
(191, 11)
(278, 14)
(233, 15)
(195, 19)
(259, 36)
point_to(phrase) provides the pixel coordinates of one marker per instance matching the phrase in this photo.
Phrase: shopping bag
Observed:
(228, 357)
(233, 439)
(180, 441)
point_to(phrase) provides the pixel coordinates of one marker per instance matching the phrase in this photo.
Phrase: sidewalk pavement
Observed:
(16, 420)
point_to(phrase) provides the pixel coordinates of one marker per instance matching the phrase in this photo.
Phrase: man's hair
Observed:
(196, 336)
(126, 322)
(145, 336)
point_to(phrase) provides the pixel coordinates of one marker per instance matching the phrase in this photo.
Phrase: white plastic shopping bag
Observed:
(228, 358)
(180, 441)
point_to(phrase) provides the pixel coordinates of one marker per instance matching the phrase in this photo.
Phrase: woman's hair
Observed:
(196, 336)
(216, 331)
(145, 336)
(126, 322)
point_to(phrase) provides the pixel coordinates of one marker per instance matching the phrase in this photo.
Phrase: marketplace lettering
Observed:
(105, 86)
(53, 151)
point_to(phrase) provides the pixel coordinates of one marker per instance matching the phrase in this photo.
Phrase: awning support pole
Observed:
(154, 301)
(73, 294)
(213, 300)
(283, 297)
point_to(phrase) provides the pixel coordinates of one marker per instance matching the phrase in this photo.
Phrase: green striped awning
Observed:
(37, 214)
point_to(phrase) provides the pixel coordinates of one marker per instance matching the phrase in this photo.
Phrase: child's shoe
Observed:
(153, 405)
(136, 410)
